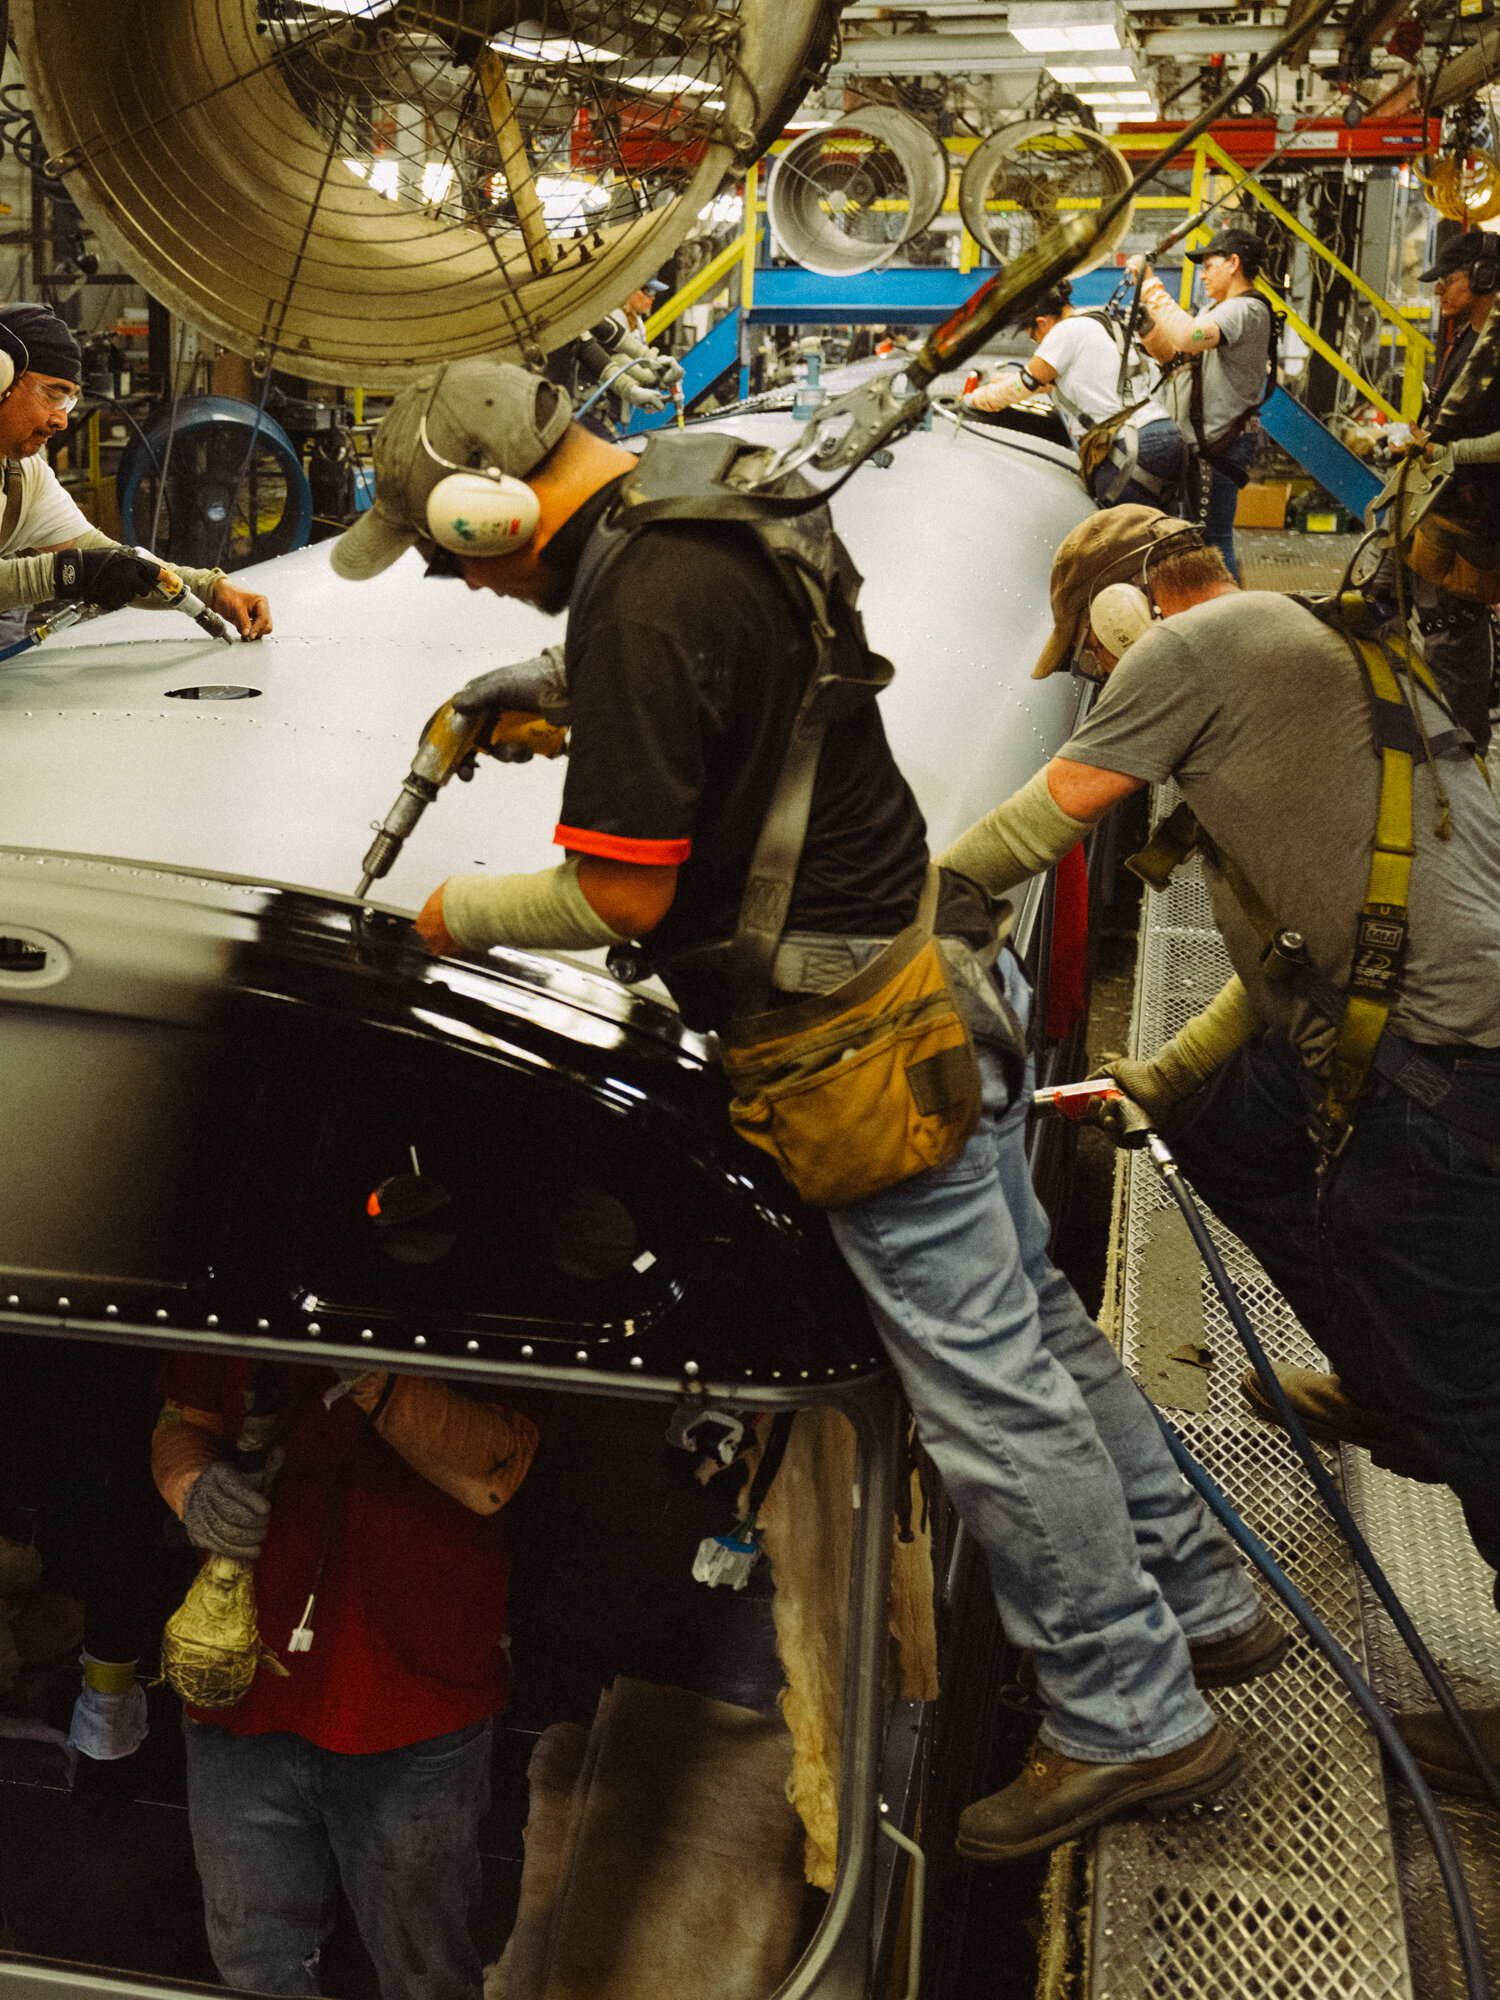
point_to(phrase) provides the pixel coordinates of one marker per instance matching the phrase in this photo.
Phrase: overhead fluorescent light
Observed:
(672, 84)
(1114, 97)
(1091, 72)
(437, 178)
(1045, 27)
(385, 178)
(553, 48)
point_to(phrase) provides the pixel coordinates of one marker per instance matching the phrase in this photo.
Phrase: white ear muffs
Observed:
(482, 513)
(1119, 615)
(14, 359)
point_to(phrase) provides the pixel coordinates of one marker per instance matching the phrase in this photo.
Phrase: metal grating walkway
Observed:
(1296, 1884)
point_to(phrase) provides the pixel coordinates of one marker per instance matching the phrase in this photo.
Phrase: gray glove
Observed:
(226, 1510)
(535, 687)
(651, 400)
(669, 371)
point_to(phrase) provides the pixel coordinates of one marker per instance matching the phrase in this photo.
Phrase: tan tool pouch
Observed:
(1457, 558)
(857, 1090)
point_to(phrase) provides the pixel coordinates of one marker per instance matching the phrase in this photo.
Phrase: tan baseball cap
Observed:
(1109, 547)
(478, 414)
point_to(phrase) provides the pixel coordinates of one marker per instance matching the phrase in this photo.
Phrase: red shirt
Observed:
(409, 1587)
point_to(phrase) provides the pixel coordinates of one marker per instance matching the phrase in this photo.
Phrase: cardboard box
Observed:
(1262, 506)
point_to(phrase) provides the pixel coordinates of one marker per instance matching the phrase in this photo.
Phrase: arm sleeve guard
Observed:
(476, 1453)
(1018, 839)
(547, 911)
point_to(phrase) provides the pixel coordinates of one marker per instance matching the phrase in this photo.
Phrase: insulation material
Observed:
(680, 1854)
(806, 1524)
(554, 1770)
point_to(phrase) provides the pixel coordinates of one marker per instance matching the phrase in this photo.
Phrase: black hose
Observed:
(1470, 1949)
(1349, 1528)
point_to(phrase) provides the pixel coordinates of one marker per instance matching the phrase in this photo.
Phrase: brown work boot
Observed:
(1441, 1758)
(1220, 1663)
(1056, 1797)
(1327, 1415)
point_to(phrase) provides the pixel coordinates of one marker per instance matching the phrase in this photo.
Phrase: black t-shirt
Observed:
(684, 679)
(1475, 490)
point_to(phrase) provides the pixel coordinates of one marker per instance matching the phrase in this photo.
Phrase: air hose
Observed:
(1364, 1555)
(1475, 1976)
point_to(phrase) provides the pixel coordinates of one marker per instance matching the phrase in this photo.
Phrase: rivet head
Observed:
(161, 1312)
(420, 1341)
(582, 1354)
(473, 1346)
(689, 1367)
(636, 1361)
(111, 1312)
(263, 1324)
(313, 1328)
(63, 1304)
(367, 1333)
(527, 1352)
(213, 1319)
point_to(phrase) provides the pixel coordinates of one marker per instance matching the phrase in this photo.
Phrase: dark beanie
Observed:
(51, 346)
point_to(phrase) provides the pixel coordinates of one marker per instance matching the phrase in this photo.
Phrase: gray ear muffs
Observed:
(14, 359)
(1484, 272)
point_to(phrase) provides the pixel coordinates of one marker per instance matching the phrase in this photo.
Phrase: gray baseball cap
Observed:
(478, 414)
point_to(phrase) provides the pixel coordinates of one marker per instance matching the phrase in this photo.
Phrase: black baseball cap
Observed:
(1461, 253)
(1241, 243)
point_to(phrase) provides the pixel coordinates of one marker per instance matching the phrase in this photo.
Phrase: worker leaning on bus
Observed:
(49, 550)
(691, 645)
(1338, 1104)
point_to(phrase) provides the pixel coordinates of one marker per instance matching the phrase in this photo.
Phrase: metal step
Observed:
(1301, 1881)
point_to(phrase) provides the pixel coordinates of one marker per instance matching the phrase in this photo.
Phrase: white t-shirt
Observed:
(47, 515)
(1088, 368)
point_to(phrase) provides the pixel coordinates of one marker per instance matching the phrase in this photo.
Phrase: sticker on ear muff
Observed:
(14, 359)
(482, 513)
(1119, 615)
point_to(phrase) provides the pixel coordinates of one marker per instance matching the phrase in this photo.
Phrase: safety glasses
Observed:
(53, 397)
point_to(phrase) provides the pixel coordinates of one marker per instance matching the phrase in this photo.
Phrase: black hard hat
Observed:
(1462, 253)
(1241, 243)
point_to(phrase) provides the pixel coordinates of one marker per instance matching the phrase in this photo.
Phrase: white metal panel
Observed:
(955, 540)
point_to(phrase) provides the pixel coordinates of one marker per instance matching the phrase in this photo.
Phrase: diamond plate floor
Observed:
(1298, 1883)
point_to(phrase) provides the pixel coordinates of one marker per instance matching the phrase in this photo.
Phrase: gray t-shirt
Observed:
(1259, 714)
(1234, 372)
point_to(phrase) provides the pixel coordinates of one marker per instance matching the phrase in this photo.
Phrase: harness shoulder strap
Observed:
(15, 494)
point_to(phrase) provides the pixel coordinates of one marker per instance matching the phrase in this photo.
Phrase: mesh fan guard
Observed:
(505, 191)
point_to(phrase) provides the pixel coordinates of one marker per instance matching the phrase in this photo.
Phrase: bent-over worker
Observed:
(1376, 1211)
(49, 550)
(687, 654)
(1077, 361)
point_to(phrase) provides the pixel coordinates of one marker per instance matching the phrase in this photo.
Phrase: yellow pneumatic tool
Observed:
(449, 743)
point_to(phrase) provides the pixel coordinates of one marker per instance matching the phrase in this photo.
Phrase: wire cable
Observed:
(1364, 1555)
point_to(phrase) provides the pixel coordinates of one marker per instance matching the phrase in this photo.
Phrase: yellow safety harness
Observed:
(1361, 1010)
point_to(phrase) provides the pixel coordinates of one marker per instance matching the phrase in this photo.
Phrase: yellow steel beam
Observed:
(514, 164)
(1195, 202)
(1321, 346)
(751, 236)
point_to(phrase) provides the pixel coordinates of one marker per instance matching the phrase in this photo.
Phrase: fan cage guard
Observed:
(357, 190)
(216, 484)
(843, 198)
(1025, 178)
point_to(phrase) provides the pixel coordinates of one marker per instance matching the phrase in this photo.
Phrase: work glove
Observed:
(109, 578)
(669, 371)
(535, 687)
(1145, 1102)
(652, 401)
(108, 1724)
(226, 1511)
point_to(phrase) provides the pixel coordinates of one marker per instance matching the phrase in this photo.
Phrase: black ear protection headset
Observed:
(14, 359)
(1484, 272)
(1119, 613)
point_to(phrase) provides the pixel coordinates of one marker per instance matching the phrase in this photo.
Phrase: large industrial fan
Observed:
(1024, 178)
(215, 484)
(354, 189)
(844, 198)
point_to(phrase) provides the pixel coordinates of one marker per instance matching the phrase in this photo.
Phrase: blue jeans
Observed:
(1224, 499)
(1103, 1562)
(273, 1816)
(1392, 1264)
(1161, 451)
